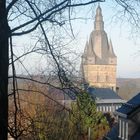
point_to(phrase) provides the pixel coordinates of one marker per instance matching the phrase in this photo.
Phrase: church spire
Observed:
(99, 60)
(99, 24)
(111, 49)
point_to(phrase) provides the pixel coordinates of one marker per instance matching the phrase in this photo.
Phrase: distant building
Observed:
(106, 99)
(129, 119)
(98, 69)
(63, 96)
(98, 64)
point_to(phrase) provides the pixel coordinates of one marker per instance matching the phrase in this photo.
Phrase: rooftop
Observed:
(103, 93)
(129, 107)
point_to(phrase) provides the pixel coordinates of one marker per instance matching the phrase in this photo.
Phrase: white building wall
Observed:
(108, 107)
(123, 129)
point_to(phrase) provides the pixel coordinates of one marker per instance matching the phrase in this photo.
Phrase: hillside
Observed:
(128, 87)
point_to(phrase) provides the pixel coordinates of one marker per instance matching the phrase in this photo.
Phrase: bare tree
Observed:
(21, 17)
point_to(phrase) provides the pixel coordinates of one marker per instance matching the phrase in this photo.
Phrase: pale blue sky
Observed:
(125, 47)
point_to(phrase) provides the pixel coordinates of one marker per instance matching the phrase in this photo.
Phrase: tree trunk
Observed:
(4, 63)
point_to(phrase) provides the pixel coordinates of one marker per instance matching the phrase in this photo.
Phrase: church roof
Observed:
(131, 106)
(104, 95)
(98, 47)
(111, 51)
(89, 50)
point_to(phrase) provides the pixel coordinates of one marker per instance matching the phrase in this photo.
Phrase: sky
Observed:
(126, 45)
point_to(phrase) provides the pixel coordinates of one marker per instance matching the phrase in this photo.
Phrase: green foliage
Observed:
(59, 124)
(84, 115)
(48, 124)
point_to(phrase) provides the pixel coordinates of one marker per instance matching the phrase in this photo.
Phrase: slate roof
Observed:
(129, 107)
(102, 93)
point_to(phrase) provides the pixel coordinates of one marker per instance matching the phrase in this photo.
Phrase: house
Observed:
(106, 99)
(129, 119)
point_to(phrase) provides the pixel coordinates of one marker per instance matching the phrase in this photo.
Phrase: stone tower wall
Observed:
(101, 75)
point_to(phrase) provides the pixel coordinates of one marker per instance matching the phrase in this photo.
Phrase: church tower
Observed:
(99, 61)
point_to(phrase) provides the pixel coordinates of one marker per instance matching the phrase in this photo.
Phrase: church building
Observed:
(98, 69)
(98, 64)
